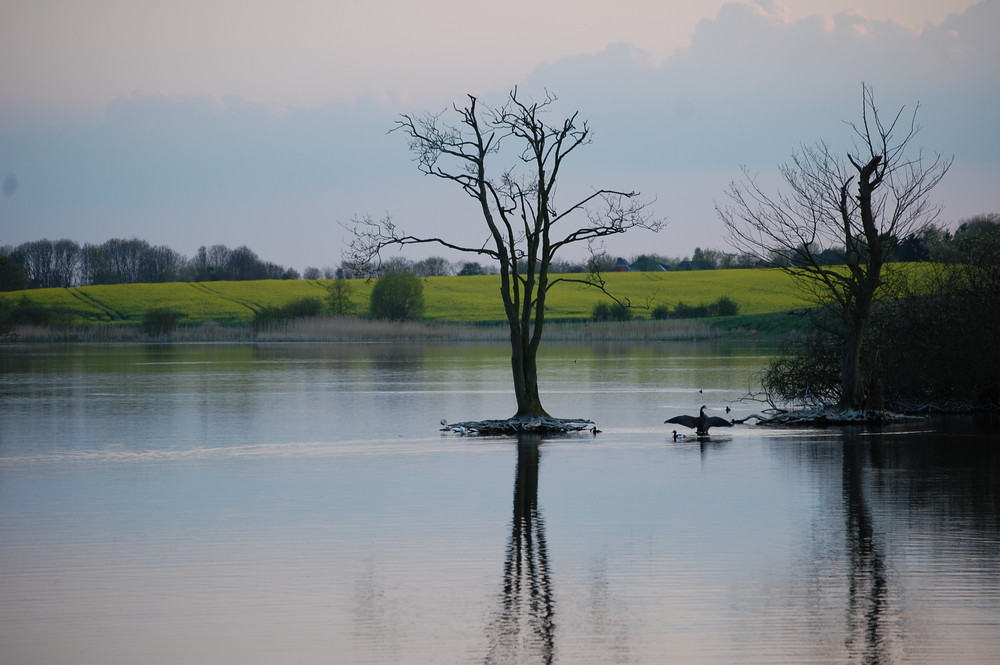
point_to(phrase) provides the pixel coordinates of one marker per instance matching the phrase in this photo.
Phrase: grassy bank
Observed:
(472, 300)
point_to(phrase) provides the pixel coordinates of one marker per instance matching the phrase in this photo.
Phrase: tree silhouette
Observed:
(517, 203)
(857, 208)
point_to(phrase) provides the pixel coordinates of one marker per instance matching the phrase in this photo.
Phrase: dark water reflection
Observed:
(920, 528)
(868, 612)
(296, 503)
(523, 629)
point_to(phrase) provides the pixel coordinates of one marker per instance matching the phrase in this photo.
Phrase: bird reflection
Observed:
(523, 626)
(868, 617)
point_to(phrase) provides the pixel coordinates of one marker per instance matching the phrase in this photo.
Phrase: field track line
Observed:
(88, 299)
(252, 306)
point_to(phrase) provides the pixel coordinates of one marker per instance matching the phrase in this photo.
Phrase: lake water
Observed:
(298, 504)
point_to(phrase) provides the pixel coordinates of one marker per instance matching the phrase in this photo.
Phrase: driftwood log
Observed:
(534, 425)
(819, 417)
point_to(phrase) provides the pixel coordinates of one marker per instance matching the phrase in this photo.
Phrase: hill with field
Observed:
(466, 300)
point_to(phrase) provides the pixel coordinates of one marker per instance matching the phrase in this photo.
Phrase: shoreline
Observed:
(356, 329)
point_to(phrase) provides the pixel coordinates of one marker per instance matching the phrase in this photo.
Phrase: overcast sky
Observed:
(257, 122)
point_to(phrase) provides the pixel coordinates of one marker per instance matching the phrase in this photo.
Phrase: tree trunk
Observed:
(858, 315)
(851, 386)
(523, 361)
(853, 392)
(530, 403)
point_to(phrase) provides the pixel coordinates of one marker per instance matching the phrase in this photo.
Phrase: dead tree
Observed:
(508, 159)
(854, 211)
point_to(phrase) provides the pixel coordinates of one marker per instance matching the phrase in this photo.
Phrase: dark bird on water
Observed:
(700, 423)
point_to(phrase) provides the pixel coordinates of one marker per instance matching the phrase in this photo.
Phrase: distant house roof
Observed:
(621, 265)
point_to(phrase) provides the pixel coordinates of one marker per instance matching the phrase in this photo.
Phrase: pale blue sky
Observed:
(263, 123)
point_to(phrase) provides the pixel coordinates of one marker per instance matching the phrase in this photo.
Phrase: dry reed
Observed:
(357, 329)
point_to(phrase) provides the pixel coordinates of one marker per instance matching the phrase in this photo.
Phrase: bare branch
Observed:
(370, 237)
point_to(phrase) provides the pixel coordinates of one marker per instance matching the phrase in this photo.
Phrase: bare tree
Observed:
(127, 258)
(517, 204)
(216, 262)
(433, 266)
(858, 208)
(66, 262)
(37, 257)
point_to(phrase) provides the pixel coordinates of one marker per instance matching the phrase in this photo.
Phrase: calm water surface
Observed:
(297, 504)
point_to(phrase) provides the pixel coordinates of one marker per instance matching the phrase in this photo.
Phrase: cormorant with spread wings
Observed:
(699, 423)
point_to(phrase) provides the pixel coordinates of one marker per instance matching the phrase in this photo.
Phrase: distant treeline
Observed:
(64, 263)
(932, 244)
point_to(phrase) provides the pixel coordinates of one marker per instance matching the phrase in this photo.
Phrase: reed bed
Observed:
(353, 329)
(356, 329)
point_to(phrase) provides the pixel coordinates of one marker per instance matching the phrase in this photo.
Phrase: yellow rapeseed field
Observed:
(474, 299)
(477, 298)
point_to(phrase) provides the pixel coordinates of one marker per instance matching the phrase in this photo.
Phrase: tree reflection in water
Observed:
(868, 614)
(523, 627)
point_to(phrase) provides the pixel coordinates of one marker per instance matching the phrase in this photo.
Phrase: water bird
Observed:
(699, 423)
(595, 431)
(679, 437)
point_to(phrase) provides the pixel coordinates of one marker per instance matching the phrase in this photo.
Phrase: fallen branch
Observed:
(835, 417)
